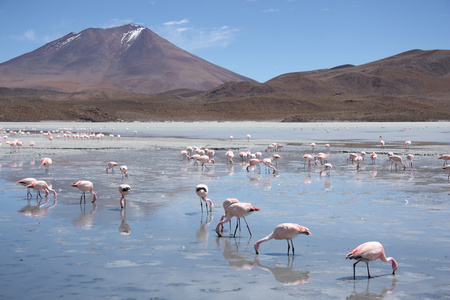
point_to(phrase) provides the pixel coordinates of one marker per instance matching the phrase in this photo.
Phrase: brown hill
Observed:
(128, 58)
(411, 86)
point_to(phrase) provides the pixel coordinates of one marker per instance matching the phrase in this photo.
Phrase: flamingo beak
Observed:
(395, 271)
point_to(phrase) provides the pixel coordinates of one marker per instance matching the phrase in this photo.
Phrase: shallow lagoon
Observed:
(66, 250)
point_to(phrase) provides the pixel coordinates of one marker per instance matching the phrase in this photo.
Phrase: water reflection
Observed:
(85, 220)
(37, 211)
(286, 275)
(202, 232)
(371, 295)
(236, 260)
(124, 228)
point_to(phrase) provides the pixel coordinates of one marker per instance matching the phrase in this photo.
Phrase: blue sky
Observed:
(260, 39)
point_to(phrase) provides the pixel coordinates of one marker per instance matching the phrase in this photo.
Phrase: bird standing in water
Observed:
(26, 182)
(124, 189)
(85, 186)
(284, 231)
(202, 192)
(41, 185)
(368, 252)
(238, 210)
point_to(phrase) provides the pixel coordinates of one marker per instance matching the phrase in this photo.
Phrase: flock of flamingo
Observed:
(233, 208)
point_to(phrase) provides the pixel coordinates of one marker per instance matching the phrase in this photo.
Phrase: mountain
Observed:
(410, 86)
(128, 58)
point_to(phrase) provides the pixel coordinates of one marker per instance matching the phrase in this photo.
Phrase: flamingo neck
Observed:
(265, 239)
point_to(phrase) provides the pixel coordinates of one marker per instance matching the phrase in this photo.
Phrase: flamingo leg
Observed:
(247, 226)
(293, 250)
(237, 224)
(368, 272)
(289, 247)
(354, 265)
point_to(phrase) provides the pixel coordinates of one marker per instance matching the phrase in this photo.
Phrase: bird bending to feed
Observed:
(85, 186)
(226, 204)
(41, 185)
(124, 189)
(327, 169)
(284, 231)
(368, 252)
(202, 192)
(111, 166)
(268, 163)
(254, 162)
(26, 182)
(373, 157)
(396, 159)
(238, 210)
(124, 170)
(46, 162)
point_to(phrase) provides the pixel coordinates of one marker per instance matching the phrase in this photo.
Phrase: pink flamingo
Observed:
(268, 163)
(202, 192)
(368, 252)
(226, 204)
(124, 189)
(352, 157)
(358, 160)
(46, 162)
(238, 210)
(373, 157)
(327, 168)
(204, 159)
(124, 170)
(410, 159)
(284, 231)
(26, 182)
(254, 162)
(407, 144)
(307, 158)
(111, 166)
(322, 157)
(445, 157)
(41, 185)
(230, 155)
(396, 159)
(382, 143)
(85, 186)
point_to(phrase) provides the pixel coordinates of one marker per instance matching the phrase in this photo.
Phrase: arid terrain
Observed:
(410, 86)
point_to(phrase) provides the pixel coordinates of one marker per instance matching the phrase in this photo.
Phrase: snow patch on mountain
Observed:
(129, 36)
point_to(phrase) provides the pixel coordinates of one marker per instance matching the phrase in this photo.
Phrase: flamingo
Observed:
(407, 144)
(254, 162)
(85, 186)
(238, 210)
(312, 146)
(308, 158)
(124, 189)
(352, 157)
(327, 169)
(322, 157)
(248, 136)
(26, 182)
(276, 158)
(230, 155)
(410, 159)
(382, 143)
(124, 170)
(204, 159)
(284, 231)
(41, 185)
(46, 162)
(111, 166)
(368, 252)
(268, 163)
(358, 160)
(202, 192)
(445, 157)
(226, 204)
(373, 157)
(396, 159)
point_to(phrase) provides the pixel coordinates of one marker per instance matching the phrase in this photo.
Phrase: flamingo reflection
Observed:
(86, 220)
(37, 211)
(124, 228)
(286, 275)
(202, 232)
(371, 295)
